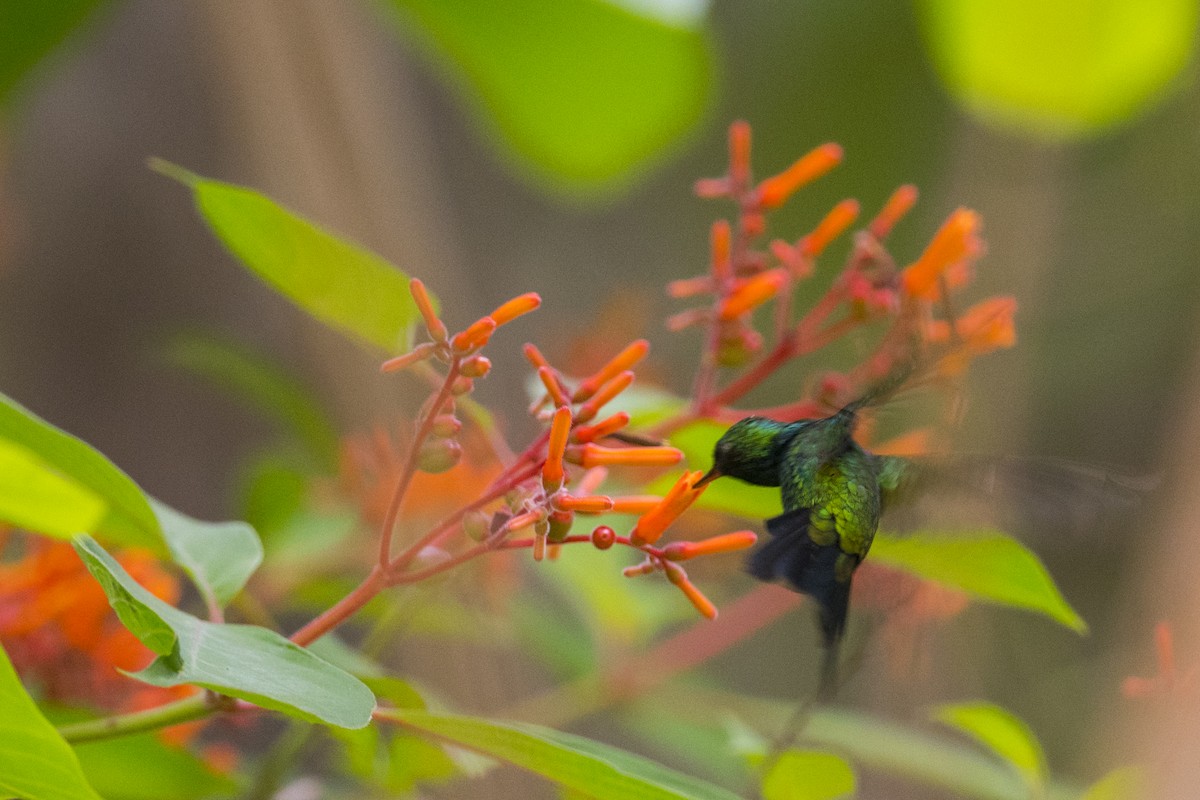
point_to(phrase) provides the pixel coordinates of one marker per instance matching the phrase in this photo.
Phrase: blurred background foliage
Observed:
(550, 145)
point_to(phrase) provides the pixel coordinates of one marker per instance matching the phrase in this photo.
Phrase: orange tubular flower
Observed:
(560, 430)
(988, 325)
(606, 427)
(516, 307)
(621, 362)
(690, 287)
(553, 388)
(739, 152)
(773, 192)
(719, 243)
(436, 328)
(475, 336)
(649, 528)
(752, 294)
(727, 543)
(956, 241)
(603, 395)
(899, 204)
(677, 576)
(635, 504)
(418, 354)
(834, 224)
(594, 504)
(594, 455)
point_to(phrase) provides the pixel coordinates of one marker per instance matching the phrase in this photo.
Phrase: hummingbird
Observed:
(832, 491)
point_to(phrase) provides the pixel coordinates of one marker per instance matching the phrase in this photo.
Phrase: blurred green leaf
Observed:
(38, 499)
(272, 489)
(1002, 733)
(30, 29)
(218, 556)
(584, 765)
(143, 767)
(1058, 69)
(243, 661)
(129, 520)
(35, 762)
(341, 284)
(265, 385)
(987, 565)
(808, 775)
(581, 90)
(1123, 783)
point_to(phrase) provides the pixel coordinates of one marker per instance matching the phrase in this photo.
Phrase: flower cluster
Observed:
(539, 491)
(746, 273)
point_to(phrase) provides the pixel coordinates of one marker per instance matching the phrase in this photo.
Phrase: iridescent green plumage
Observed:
(830, 489)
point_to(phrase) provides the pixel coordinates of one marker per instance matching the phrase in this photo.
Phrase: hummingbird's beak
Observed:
(708, 477)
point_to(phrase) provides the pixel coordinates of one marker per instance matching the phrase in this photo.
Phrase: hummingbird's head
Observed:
(749, 451)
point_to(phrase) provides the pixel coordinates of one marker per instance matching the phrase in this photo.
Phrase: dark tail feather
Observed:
(793, 558)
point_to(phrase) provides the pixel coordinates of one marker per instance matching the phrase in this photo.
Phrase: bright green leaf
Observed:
(587, 766)
(39, 499)
(987, 565)
(272, 490)
(581, 90)
(35, 762)
(1123, 783)
(1059, 69)
(808, 775)
(130, 520)
(218, 556)
(1002, 733)
(341, 284)
(242, 661)
(263, 384)
(31, 30)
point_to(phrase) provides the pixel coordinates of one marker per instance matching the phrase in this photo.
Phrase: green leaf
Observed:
(129, 520)
(1123, 783)
(31, 30)
(581, 90)
(987, 565)
(242, 661)
(1002, 733)
(39, 499)
(1058, 69)
(262, 384)
(161, 770)
(35, 762)
(590, 767)
(218, 556)
(343, 285)
(808, 775)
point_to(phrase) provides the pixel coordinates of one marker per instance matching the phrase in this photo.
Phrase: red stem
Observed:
(410, 466)
(342, 610)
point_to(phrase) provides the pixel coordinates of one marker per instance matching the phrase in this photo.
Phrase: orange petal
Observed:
(835, 223)
(899, 204)
(514, 308)
(560, 430)
(774, 191)
(436, 328)
(621, 362)
(957, 240)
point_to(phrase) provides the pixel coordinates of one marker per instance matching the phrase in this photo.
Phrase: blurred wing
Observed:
(1030, 497)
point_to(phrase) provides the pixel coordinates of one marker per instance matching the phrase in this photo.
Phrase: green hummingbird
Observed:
(834, 493)
(832, 498)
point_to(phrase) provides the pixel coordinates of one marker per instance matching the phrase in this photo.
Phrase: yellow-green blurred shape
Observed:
(1001, 732)
(808, 775)
(1058, 69)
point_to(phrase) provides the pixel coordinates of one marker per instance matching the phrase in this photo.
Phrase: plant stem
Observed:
(190, 708)
(410, 465)
(346, 607)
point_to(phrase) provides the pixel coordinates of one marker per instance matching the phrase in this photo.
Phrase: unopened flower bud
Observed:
(462, 385)
(476, 366)
(603, 537)
(476, 525)
(439, 455)
(445, 426)
(560, 525)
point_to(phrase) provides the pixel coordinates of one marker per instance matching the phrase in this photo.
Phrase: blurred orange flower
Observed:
(59, 630)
